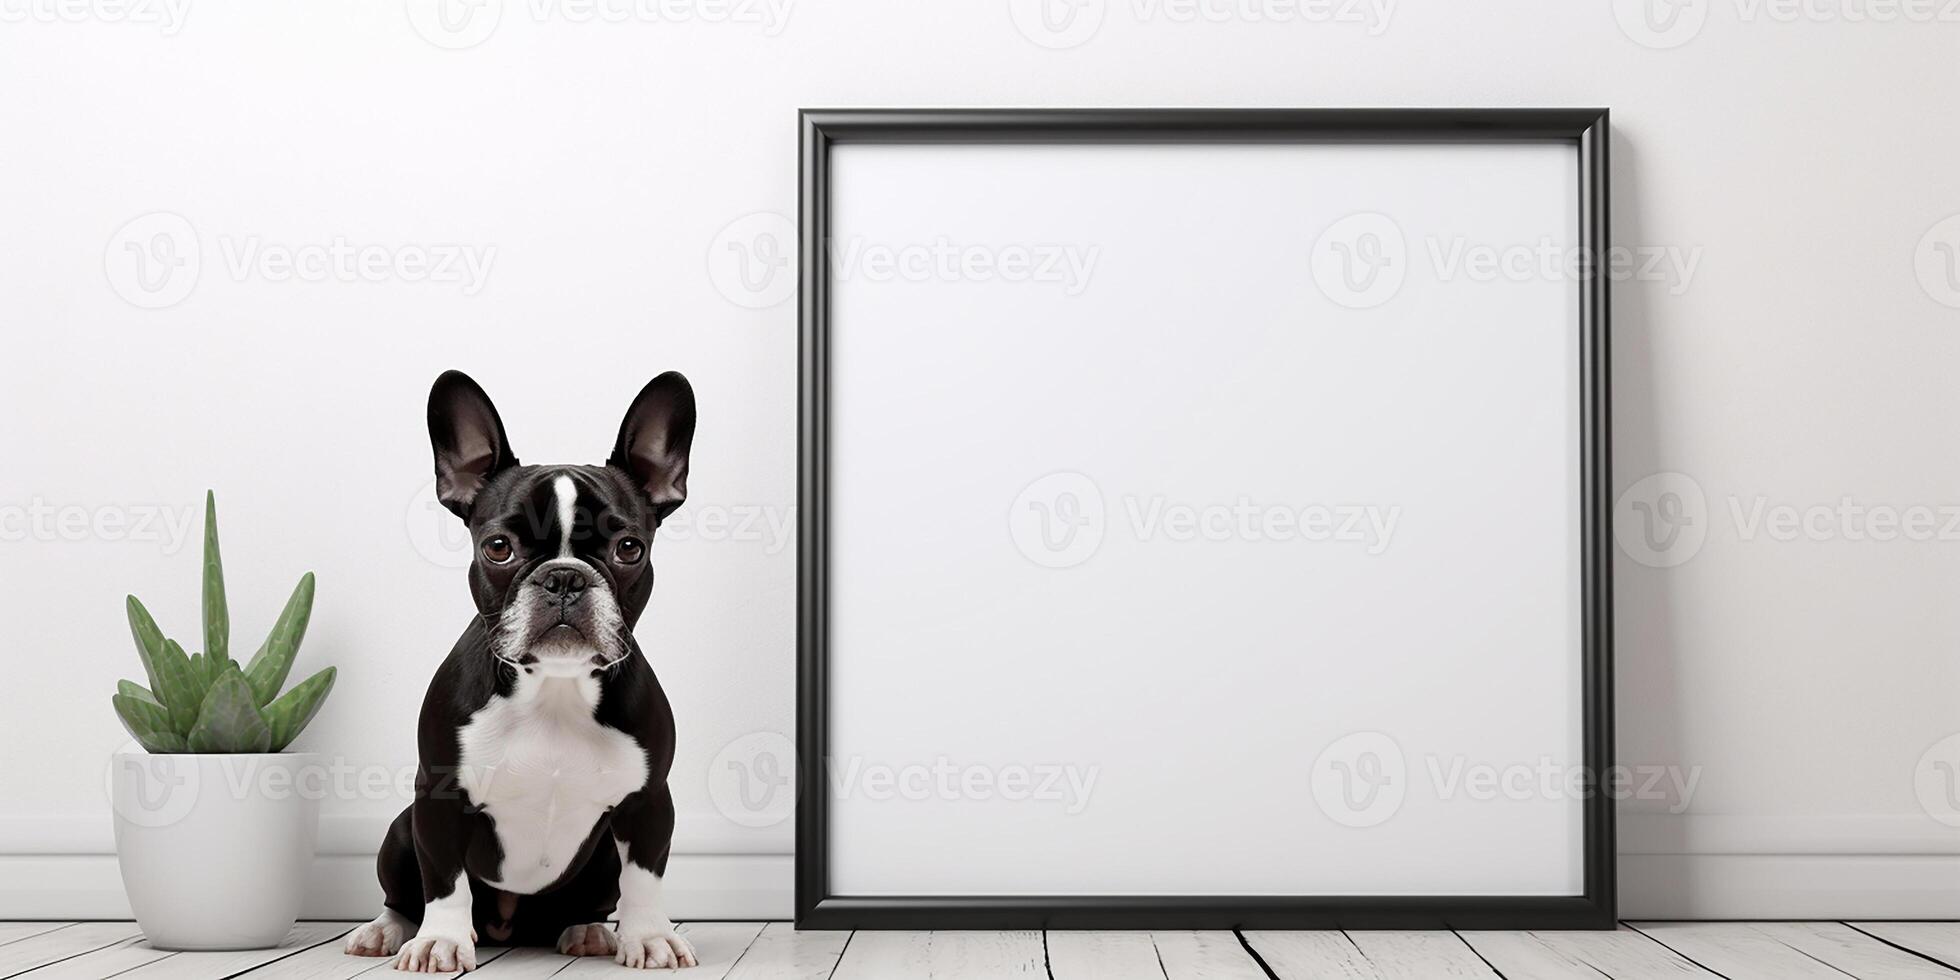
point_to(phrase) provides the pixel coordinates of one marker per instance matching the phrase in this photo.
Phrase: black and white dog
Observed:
(541, 798)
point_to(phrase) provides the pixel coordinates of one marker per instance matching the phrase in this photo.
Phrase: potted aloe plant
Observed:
(216, 823)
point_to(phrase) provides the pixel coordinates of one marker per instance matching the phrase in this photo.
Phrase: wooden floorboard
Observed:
(1420, 955)
(1854, 952)
(22, 955)
(11, 931)
(1205, 956)
(1528, 956)
(776, 951)
(1103, 956)
(1622, 955)
(1791, 951)
(1309, 955)
(1937, 941)
(782, 953)
(206, 965)
(717, 945)
(329, 961)
(522, 964)
(890, 955)
(106, 962)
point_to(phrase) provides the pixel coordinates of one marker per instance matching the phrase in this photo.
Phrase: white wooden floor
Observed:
(774, 951)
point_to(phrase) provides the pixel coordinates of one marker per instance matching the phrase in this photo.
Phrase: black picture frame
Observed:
(820, 130)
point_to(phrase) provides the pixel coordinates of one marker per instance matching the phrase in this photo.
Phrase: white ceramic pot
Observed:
(215, 849)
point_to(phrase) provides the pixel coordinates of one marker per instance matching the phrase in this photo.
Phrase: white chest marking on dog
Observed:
(567, 493)
(545, 770)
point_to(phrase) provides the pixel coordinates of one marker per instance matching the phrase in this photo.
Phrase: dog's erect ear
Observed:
(468, 438)
(655, 439)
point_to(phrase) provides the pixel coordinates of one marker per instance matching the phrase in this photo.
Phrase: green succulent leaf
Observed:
(149, 639)
(178, 687)
(149, 723)
(229, 720)
(204, 671)
(274, 661)
(217, 617)
(207, 702)
(289, 715)
(131, 689)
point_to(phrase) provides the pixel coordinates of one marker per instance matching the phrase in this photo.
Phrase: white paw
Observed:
(588, 940)
(655, 949)
(436, 954)
(382, 937)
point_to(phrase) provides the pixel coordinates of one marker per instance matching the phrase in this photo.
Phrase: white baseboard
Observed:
(1824, 834)
(1671, 867)
(1789, 886)
(721, 886)
(88, 886)
(1832, 866)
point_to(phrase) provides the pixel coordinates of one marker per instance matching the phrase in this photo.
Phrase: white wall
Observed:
(1807, 360)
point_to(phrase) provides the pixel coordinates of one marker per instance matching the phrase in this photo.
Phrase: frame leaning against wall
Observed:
(822, 129)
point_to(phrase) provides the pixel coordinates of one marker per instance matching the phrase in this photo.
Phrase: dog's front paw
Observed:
(436, 954)
(654, 949)
(382, 937)
(595, 939)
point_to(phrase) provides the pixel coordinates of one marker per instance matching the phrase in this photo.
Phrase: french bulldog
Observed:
(541, 800)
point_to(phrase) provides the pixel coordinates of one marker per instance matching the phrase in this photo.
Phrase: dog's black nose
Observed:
(564, 586)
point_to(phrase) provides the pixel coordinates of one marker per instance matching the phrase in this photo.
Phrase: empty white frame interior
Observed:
(1204, 520)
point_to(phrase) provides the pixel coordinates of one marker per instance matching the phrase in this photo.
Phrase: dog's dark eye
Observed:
(497, 550)
(629, 551)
